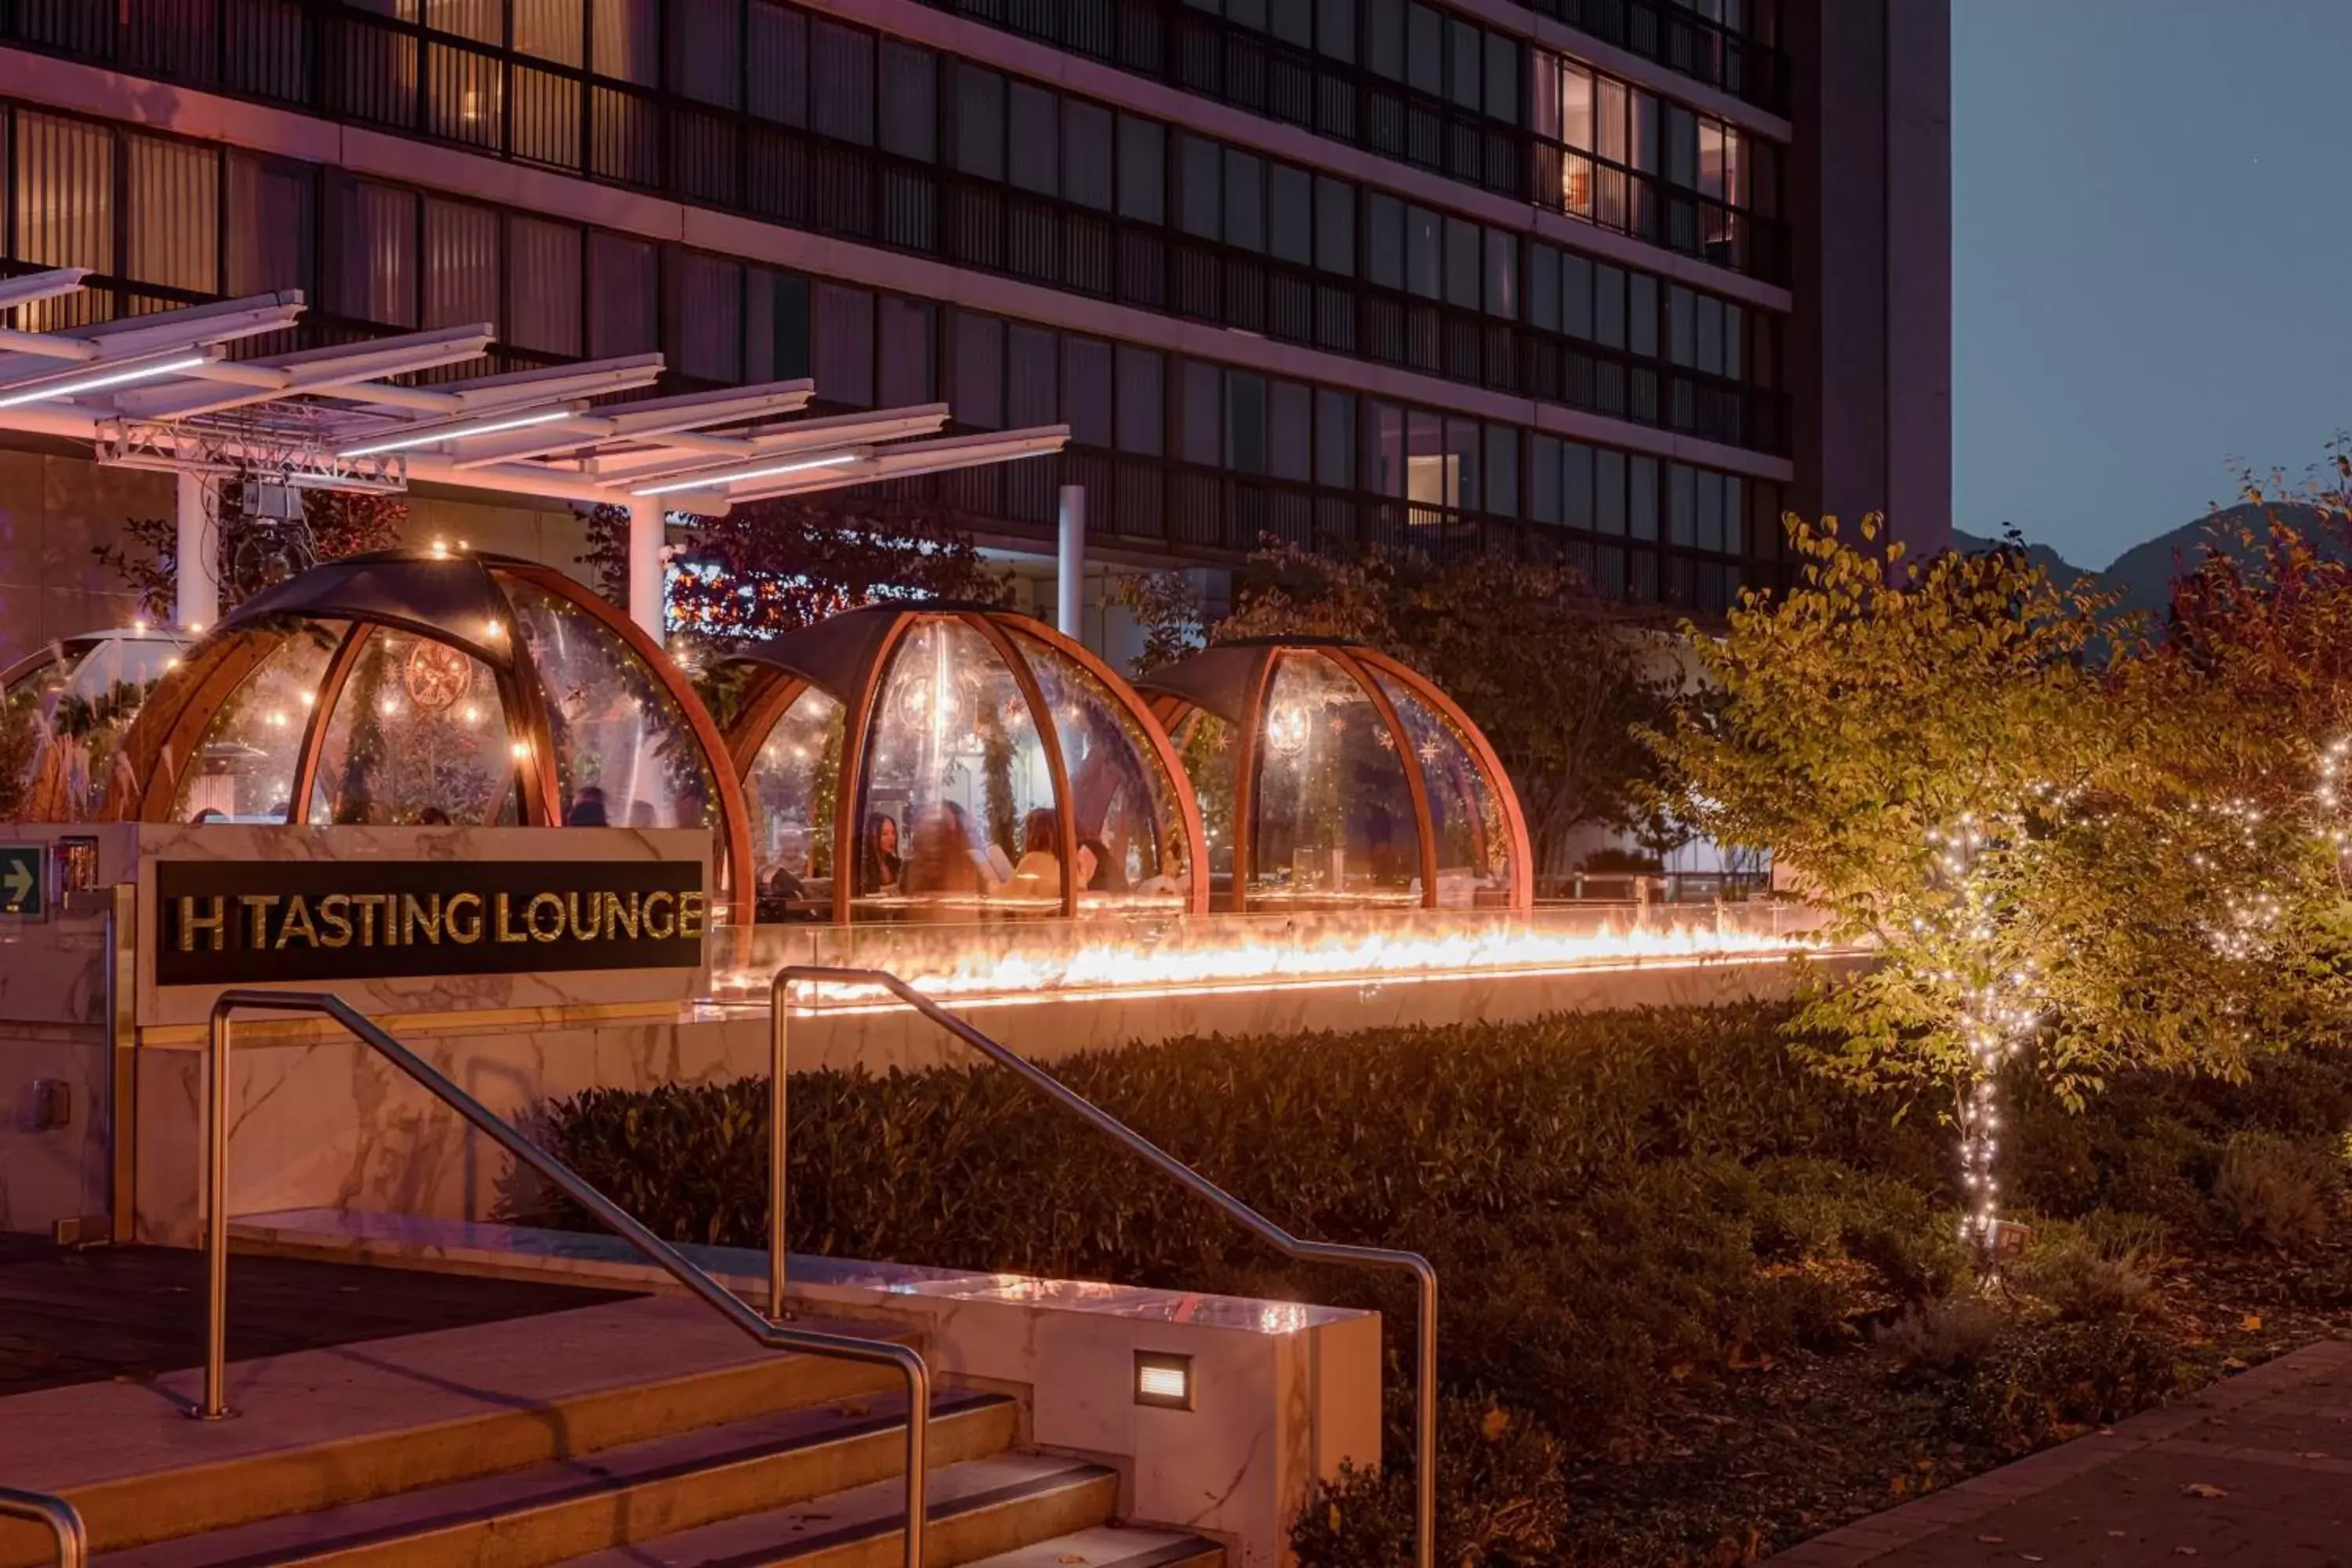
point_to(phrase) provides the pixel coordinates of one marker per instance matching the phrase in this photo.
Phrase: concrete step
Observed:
(614, 1499)
(1109, 1546)
(320, 1429)
(980, 1510)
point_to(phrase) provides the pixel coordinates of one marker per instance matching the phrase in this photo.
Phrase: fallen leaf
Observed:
(2312, 1454)
(1899, 1485)
(1071, 1557)
(2184, 1552)
(2232, 1363)
(1991, 1539)
(1497, 1422)
(2030, 1558)
(2199, 1489)
(2250, 1321)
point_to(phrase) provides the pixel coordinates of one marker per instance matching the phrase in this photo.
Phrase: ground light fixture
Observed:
(1163, 1380)
(98, 383)
(704, 481)
(457, 433)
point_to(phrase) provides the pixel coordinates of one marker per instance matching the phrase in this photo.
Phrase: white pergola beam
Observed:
(654, 466)
(335, 370)
(29, 287)
(911, 461)
(669, 418)
(93, 377)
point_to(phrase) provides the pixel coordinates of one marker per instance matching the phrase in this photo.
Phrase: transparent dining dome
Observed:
(64, 709)
(939, 761)
(429, 688)
(1330, 776)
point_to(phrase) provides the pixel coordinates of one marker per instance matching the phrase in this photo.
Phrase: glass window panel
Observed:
(1424, 263)
(1384, 453)
(1384, 240)
(1682, 336)
(1609, 114)
(1244, 201)
(790, 791)
(246, 765)
(1335, 226)
(1292, 21)
(955, 767)
(1735, 514)
(1424, 50)
(1502, 274)
(976, 394)
(1384, 37)
(625, 754)
(1432, 479)
(1333, 814)
(1502, 77)
(1576, 296)
(1199, 200)
(1250, 14)
(271, 224)
(906, 342)
(1335, 28)
(1682, 146)
(1543, 98)
(841, 83)
(546, 285)
(776, 76)
(1290, 431)
(787, 294)
(65, 192)
(463, 269)
(549, 29)
(1087, 153)
(1245, 422)
(1543, 478)
(1642, 496)
(624, 307)
(1462, 468)
(1502, 497)
(1543, 287)
(704, 49)
(1642, 129)
(419, 734)
(1682, 503)
(1710, 335)
(375, 273)
(174, 225)
(1086, 390)
(1142, 170)
(910, 100)
(1461, 263)
(1641, 315)
(841, 348)
(1735, 341)
(1473, 837)
(1467, 59)
(1130, 829)
(1710, 532)
(1609, 491)
(1203, 411)
(1576, 499)
(1576, 106)
(627, 35)
(979, 122)
(1032, 376)
(1036, 140)
(1608, 306)
(1142, 394)
(1290, 214)
(1335, 438)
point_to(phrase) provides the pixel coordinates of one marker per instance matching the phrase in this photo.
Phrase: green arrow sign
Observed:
(24, 880)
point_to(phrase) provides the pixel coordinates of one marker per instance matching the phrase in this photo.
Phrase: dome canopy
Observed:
(80, 694)
(969, 763)
(1331, 776)
(428, 687)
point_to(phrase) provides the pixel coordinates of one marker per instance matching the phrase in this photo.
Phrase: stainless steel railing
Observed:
(63, 1520)
(697, 1280)
(1424, 1414)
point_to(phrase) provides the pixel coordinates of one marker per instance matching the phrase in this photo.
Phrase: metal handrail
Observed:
(62, 1518)
(1424, 1415)
(698, 1280)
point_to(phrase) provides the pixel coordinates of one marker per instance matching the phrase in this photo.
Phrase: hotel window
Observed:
(841, 345)
(776, 320)
(271, 225)
(624, 291)
(1609, 491)
(1201, 413)
(1502, 489)
(841, 83)
(1462, 465)
(1086, 390)
(1543, 287)
(1503, 77)
(979, 141)
(706, 51)
(1290, 215)
(65, 193)
(906, 346)
(1335, 28)
(1642, 496)
(1335, 438)
(1335, 226)
(1576, 296)
(463, 268)
(1032, 376)
(1244, 201)
(705, 339)
(1033, 162)
(1290, 435)
(776, 61)
(551, 30)
(544, 301)
(1502, 274)
(1682, 504)
(1642, 314)
(373, 232)
(1142, 170)
(1198, 196)
(910, 101)
(1140, 404)
(174, 215)
(1543, 479)
(1086, 154)
(1245, 422)
(1463, 57)
(481, 20)
(1424, 63)
(1462, 272)
(1576, 479)
(1608, 306)
(1383, 471)
(627, 35)
(976, 371)
(1423, 259)
(1384, 38)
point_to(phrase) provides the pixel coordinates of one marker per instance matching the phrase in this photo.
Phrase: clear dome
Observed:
(67, 707)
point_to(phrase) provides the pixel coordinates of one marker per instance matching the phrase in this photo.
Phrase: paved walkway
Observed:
(2255, 1471)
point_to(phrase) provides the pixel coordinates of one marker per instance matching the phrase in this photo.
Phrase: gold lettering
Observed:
(620, 917)
(506, 932)
(553, 906)
(472, 929)
(192, 923)
(297, 918)
(259, 905)
(668, 923)
(367, 904)
(691, 909)
(595, 926)
(427, 915)
(335, 915)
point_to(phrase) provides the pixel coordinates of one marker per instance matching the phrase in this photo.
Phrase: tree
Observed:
(1561, 688)
(254, 554)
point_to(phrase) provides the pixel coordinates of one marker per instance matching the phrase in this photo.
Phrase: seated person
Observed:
(1037, 874)
(942, 874)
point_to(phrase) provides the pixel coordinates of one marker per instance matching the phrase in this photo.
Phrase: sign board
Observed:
(25, 881)
(237, 923)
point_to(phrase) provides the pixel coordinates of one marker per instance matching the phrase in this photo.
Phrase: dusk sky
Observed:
(2151, 257)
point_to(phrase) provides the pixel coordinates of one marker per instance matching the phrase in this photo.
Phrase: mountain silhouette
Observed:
(2143, 575)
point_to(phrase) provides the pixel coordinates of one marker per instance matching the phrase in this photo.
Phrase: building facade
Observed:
(1610, 281)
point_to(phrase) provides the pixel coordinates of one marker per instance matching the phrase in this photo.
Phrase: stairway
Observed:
(621, 1436)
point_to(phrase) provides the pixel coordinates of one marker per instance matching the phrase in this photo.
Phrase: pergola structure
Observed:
(182, 390)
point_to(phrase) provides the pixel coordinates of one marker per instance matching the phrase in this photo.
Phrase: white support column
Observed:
(1070, 572)
(197, 498)
(646, 517)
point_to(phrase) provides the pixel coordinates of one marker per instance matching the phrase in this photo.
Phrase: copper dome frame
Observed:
(844, 658)
(1231, 681)
(172, 721)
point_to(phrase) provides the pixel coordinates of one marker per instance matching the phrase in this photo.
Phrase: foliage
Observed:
(1944, 1337)
(2081, 1279)
(2038, 1388)
(801, 560)
(254, 554)
(1502, 1496)
(2276, 1190)
(20, 743)
(1561, 688)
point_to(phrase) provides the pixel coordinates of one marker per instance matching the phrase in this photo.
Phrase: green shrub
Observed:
(2277, 1191)
(1502, 1497)
(2083, 1277)
(2036, 1388)
(1944, 1336)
